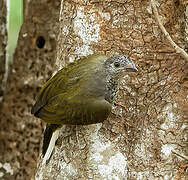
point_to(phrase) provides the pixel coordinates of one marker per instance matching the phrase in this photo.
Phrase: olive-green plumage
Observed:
(75, 95)
(82, 93)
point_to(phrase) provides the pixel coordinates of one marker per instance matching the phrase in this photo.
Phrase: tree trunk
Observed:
(20, 132)
(3, 44)
(146, 135)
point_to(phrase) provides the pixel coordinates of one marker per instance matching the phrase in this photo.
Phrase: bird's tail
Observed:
(51, 134)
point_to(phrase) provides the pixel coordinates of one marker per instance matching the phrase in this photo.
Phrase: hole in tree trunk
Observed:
(40, 42)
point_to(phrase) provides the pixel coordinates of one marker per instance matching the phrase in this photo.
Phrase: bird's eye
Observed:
(116, 64)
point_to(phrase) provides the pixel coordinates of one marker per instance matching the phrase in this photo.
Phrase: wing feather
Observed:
(73, 80)
(75, 111)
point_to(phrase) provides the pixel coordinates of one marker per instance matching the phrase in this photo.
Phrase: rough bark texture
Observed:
(3, 42)
(149, 122)
(20, 132)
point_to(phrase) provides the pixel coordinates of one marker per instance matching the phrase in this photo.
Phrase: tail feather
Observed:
(50, 136)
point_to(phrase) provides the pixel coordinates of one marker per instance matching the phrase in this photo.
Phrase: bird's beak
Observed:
(131, 67)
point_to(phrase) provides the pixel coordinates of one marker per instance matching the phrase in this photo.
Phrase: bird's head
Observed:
(118, 65)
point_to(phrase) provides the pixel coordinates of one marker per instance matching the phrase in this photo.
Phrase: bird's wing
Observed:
(56, 85)
(75, 78)
(74, 110)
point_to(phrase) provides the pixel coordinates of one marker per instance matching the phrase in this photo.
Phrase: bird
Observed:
(81, 93)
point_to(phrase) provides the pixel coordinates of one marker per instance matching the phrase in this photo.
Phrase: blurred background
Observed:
(15, 20)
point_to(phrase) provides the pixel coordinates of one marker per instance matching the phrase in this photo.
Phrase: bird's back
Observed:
(82, 77)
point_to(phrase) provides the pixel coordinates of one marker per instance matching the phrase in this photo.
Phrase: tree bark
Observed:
(146, 135)
(20, 132)
(3, 44)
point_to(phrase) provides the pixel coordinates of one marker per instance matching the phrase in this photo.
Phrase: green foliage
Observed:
(15, 19)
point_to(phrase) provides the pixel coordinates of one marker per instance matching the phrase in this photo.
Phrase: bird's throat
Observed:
(112, 88)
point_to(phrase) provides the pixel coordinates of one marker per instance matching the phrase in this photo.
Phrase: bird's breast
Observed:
(111, 90)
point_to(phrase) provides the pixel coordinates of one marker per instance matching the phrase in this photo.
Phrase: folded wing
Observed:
(74, 110)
